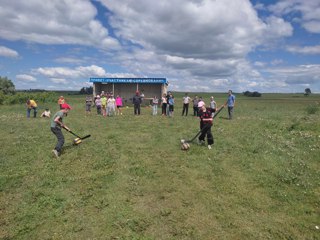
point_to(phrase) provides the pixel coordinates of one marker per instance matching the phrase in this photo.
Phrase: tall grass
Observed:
(130, 180)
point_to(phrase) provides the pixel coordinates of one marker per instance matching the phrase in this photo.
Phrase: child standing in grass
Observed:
(104, 105)
(164, 104)
(97, 102)
(171, 105)
(119, 105)
(56, 125)
(111, 106)
(155, 102)
(213, 105)
(88, 104)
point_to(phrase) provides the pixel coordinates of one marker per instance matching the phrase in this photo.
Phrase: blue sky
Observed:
(198, 45)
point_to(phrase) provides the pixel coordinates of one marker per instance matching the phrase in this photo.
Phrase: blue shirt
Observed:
(171, 101)
(231, 100)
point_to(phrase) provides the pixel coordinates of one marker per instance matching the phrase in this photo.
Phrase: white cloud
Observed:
(301, 74)
(310, 50)
(189, 29)
(64, 72)
(276, 61)
(71, 60)
(277, 28)
(26, 78)
(7, 52)
(54, 22)
(203, 41)
(59, 80)
(312, 26)
(259, 64)
(305, 12)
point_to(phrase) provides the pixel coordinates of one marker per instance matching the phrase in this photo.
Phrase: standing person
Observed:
(61, 101)
(213, 105)
(171, 105)
(230, 102)
(195, 101)
(31, 105)
(164, 104)
(155, 102)
(206, 119)
(119, 104)
(186, 99)
(88, 104)
(136, 100)
(111, 103)
(168, 96)
(104, 105)
(56, 125)
(98, 104)
(200, 104)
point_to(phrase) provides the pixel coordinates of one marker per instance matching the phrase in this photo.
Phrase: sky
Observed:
(198, 45)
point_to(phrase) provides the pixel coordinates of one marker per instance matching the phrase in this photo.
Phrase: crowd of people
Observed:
(107, 105)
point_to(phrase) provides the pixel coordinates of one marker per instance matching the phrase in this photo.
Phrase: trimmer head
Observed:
(77, 141)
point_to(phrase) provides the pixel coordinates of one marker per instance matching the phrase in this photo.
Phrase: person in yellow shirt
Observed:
(31, 104)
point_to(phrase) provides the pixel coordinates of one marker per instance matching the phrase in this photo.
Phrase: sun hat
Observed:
(65, 106)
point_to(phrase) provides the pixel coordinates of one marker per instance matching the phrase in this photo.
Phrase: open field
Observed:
(130, 180)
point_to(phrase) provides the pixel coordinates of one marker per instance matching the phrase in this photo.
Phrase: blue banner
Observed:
(129, 80)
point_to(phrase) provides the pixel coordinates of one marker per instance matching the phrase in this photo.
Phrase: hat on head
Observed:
(65, 106)
(98, 96)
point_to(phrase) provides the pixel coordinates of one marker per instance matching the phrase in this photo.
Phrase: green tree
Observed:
(307, 91)
(7, 86)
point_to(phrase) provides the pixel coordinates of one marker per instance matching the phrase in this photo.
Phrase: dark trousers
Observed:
(230, 112)
(195, 111)
(99, 110)
(164, 108)
(185, 109)
(57, 131)
(136, 109)
(206, 131)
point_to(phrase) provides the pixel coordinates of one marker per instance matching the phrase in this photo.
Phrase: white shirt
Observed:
(186, 99)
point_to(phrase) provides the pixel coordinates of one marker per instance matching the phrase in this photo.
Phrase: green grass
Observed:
(130, 180)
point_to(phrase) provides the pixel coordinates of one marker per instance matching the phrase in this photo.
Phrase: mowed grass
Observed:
(130, 180)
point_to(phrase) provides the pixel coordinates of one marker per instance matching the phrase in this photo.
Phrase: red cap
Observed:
(65, 106)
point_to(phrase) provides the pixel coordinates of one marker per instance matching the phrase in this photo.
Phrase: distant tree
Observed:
(252, 94)
(307, 91)
(247, 93)
(256, 94)
(7, 86)
(86, 90)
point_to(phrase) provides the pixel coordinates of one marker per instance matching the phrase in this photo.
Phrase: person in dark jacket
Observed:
(205, 115)
(136, 100)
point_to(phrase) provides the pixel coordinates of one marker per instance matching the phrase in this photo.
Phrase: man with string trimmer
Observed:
(56, 125)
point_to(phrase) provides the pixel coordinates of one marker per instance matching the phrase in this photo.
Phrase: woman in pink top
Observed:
(119, 104)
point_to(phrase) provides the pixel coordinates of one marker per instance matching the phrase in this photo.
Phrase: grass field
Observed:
(130, 180)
